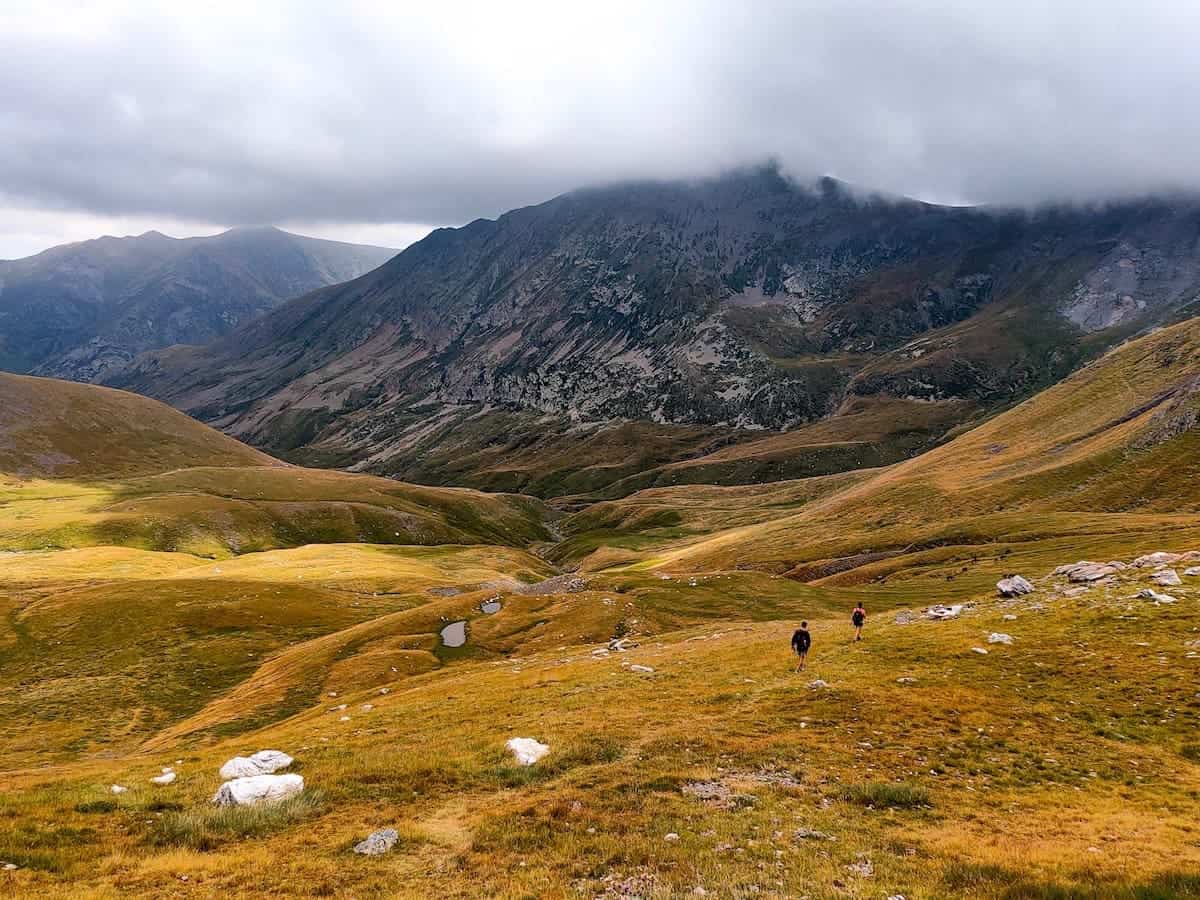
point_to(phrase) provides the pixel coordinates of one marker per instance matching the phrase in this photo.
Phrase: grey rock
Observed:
(1166, 578)
(1013, 586)
(378, 842)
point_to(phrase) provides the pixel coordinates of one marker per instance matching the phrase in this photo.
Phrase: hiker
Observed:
(859, 618)
(801, 641)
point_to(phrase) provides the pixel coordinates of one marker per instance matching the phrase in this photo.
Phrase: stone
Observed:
(264, 762)
(1166, 578)
(639, 668)
(671, 836)
(979, 650)
(1013, 586)
(527, 751)
(1009, 617)
(938, 611)
(118, 789)
(818, 684)
(1086, 571)
(1151, 594)
(258, 789)
(1192, 572)
(378, 842)
(167, 776)
(811, 834)
(1159, 558)
(999, 637)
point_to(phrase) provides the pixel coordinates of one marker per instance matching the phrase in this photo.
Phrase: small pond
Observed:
(455, 634)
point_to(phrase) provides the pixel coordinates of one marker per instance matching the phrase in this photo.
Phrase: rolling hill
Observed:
(509, 353)
(79, 310)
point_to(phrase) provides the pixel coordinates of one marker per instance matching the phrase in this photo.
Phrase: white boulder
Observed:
(1192, 572)
(378, 842)
(640, 668)
(1085, 570)
(999, 637)
(979, 650)
(118, 789)
(258, 789)
(1013, 586)
(938, 611)
(818, 684)
(264, 762)
(527, 751)
(167, 776)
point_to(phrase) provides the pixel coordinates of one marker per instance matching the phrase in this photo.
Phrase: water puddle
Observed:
(491, 607)
(455, 634)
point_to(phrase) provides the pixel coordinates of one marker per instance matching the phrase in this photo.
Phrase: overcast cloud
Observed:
(354, 118)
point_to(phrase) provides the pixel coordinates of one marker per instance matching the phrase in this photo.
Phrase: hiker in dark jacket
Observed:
(801, 641)
(859, 619)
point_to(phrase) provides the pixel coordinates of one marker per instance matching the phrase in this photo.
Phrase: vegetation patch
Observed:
(207, 828)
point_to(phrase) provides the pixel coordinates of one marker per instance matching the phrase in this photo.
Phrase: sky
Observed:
(374, 122)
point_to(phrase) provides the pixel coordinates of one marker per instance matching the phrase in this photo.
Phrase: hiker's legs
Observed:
(858, 632)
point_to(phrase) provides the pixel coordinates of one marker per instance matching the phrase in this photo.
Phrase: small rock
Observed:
(1013, 586)
(906, 679)
(938, 611)
(811, 834)
(670, 836)
(999, 637)
(258, 789)
(118, 789)
(1192, 572)
(378, 842)
(9, 867)
(527, 751)
(165, 778)
(863, 867)
(367, 707)
(979, 650)
(818, 684)
(1151, 594)
(1009, 617)
(639, 668)
(1166, 578)
(344, 719)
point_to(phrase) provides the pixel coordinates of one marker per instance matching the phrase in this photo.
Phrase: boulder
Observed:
(258, 789)
(938, 611)
(527, 751)
(118, 789)
(167, 776)
(1159, 558)
(378, 842)
(1085, 570)
(1192, 572)
(1013, 586)
(999, 637)
(264, 762)
(1166, 578)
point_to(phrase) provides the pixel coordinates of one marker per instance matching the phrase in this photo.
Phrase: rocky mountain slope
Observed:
(738, 304)
(78, 310)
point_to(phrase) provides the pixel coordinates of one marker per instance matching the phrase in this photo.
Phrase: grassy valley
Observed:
(179, 599)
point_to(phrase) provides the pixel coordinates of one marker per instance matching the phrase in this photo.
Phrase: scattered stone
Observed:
(1160, 558)
(264, 762)
(620, 645)
(258, 789)
(640, 668)
(9, 867)
(367, 707)
(1192, 572)
(714, 792)
(818, 684)
(999, 637)
(378, 842)
(671, 837)
(863, 867)
(905, 617)
(1013, 586)
(527, 751)
(979, 650)
(1073, 592)
(337, 708)
(118, 789)
(906, 679)
(1009, 617)
(167, 776)
(940, 612)
(1166, 578)
(344, 719)
(811, 834)
(1151, 594)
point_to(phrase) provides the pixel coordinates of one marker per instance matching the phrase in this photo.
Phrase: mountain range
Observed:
(734, 329)
(79, 310)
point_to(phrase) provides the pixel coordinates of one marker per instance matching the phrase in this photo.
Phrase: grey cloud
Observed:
(331, 113)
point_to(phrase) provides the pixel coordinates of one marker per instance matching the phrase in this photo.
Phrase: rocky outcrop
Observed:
(1085, 571)
(526, 751)
(1013, 586)
(378, 842)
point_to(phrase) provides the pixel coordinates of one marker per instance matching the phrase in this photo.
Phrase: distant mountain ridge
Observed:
(79, 310)
(737, 303)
